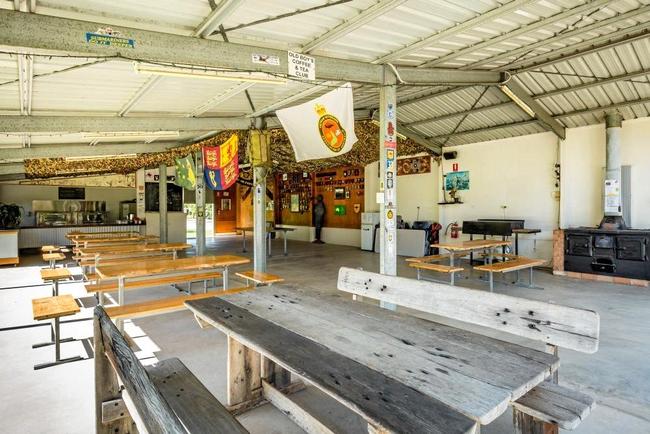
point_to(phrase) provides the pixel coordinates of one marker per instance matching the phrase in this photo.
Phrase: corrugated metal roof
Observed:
(485, 34)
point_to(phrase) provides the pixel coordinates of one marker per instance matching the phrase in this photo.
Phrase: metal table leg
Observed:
(268, 237)
(57, 350)
(174, 254)
(225, 278)
(490, 258)
(243, 240)
(517, 243)
(284, 237)
(120, 300)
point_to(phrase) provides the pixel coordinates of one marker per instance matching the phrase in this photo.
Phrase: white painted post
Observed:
(200, 205)
(259, 218)
(162, 201)
(388, 176)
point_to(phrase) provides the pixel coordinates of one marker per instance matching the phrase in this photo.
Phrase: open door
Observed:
(225, 210)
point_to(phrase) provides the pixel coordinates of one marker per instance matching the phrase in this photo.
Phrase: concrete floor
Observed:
(60, 399)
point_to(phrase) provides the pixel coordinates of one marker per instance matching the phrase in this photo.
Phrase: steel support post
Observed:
(162, 201)
(259, 218)
(388, 176)
(200, 205)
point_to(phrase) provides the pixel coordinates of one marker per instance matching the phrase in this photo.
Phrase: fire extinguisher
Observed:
(455, 229)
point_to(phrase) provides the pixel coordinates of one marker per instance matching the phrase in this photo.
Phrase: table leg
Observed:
(56, 288)
(120, 300)
(244, 374)
(517, 243)
(490, 260)
(268, 237)
(285, 243)
(243, 241)
(57, 349)
(174, 254)
(225, 278)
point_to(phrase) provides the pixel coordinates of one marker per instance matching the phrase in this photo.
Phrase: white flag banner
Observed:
(323, 127)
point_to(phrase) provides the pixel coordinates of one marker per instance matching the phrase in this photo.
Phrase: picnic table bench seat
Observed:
(166, 397)
(518, 263)
(429, 258)
(556, 405)
(440, 268)
(112, 285)
(259, 277)
(191, 401)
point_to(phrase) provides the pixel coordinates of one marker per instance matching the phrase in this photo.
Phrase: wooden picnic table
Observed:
(269, 231)
(468, 374)
(80, 234)
(129, 249)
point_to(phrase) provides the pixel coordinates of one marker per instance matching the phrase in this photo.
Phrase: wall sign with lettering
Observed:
(301, 66)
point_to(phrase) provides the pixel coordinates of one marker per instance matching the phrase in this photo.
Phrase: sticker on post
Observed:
(265, 59)
(390, 144)
(301, 66)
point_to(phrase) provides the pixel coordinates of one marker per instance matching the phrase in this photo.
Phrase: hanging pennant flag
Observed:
(185, 174)
(323, 127)
(221, 164)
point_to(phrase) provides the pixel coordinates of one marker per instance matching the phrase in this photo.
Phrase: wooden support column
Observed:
(274, 374)
(162, 201)
(244, 376)
(200, 204)
(107, 388)
(388, 177)
(259, 218)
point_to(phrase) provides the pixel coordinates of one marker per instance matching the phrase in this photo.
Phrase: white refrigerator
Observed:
(368, 222)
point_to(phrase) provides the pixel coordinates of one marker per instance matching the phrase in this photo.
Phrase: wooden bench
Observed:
(547, 405)
(430, 258)
(52, 258)
(259, 277)
(54, 308)
(517, 263)
(165, 305)
(440, 268)
(112, 285)
(164, 398)
(54, 275)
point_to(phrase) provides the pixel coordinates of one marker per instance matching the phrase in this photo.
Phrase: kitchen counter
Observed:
(89, 225)
(37, 236)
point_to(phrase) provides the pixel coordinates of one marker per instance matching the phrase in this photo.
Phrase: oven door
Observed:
(579, 245)
(631, 247)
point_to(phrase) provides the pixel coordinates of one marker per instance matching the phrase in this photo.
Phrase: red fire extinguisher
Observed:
(455, 229)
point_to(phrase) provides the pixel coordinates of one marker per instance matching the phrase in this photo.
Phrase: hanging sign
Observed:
(413, 165)
(265, 59)
(301, 66)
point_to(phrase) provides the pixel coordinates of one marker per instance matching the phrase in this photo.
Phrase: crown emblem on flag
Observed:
(330, 129)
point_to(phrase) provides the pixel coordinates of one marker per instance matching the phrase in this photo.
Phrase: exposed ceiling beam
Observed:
(53, 124)
(144, 89)
(12, 168)
(532, 122)
(611, 40)
(222, 97)
(526, 102)
(509, 35)
(368, 15)
(15, 155)
(580, 32)
(458, 28)
(552, 93)
(31, 33)
(419, 138)
(217, 17)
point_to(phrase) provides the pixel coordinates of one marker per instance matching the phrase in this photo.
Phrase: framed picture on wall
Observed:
(295, 203)
(226, 205)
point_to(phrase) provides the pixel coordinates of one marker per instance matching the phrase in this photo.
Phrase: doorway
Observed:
(225, 210)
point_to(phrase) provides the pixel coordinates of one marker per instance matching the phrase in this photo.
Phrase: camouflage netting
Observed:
(364, 152)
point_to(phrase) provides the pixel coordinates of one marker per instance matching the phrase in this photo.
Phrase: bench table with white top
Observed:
(400, 373)
(167, 267)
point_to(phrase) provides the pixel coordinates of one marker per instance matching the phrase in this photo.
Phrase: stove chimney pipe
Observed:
(613, 208)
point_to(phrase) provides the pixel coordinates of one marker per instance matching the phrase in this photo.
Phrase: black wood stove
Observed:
(611, 248)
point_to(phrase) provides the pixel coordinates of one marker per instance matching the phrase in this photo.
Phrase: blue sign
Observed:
(109, 40)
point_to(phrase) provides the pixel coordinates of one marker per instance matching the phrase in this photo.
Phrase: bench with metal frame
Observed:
(511, 263)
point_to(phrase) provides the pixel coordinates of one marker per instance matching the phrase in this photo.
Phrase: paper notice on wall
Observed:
(612, 196)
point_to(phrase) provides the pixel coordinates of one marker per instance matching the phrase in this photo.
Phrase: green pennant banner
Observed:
(185, 173)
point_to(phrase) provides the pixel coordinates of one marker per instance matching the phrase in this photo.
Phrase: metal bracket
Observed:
(113, 410)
